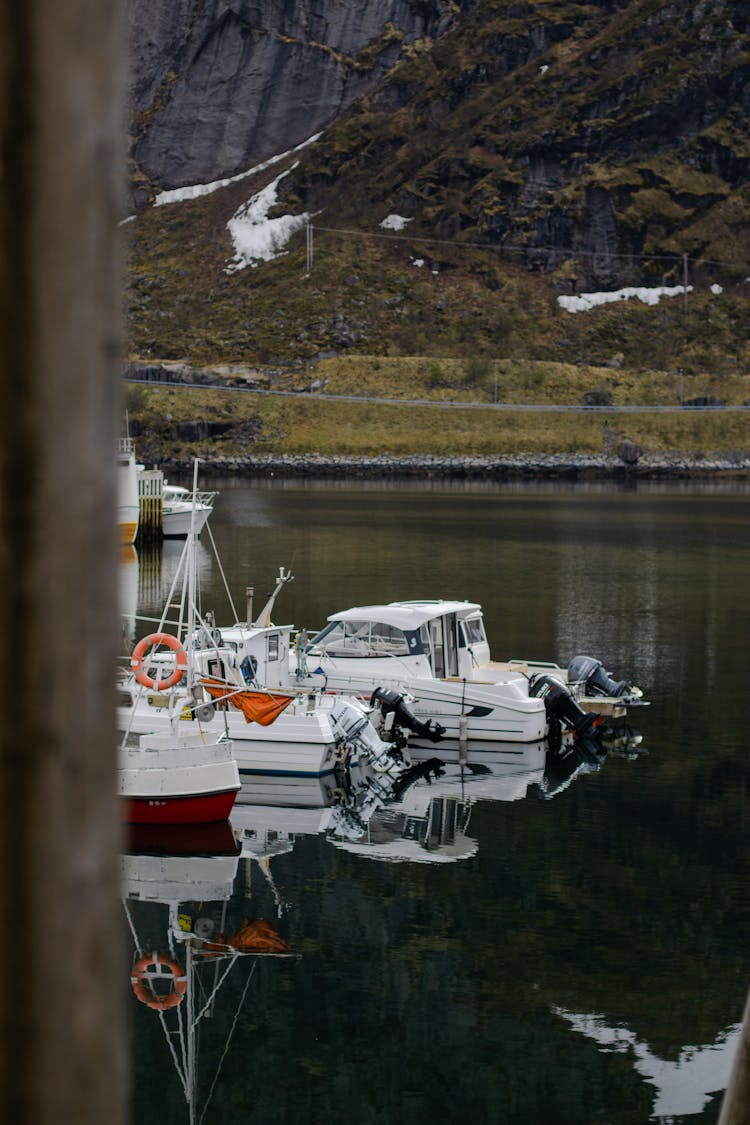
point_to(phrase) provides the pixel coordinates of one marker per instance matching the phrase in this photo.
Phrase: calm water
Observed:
(577, 960)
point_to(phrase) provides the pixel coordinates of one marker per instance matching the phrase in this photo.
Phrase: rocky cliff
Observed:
(218, 85)
(529, 150)
(597, 139)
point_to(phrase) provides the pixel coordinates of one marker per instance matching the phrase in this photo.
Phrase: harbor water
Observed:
(540, 943)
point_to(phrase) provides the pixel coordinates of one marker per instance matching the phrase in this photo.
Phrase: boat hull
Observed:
(175, 524)
(204, 808)
(501, 712)
(177, 779)
(296, 744)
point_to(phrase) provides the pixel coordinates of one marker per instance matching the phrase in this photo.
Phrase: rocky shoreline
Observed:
(517, 467)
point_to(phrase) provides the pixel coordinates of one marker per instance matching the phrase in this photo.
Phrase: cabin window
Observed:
(473, 631)
(366, 639)
(273, 646)
(386, 640)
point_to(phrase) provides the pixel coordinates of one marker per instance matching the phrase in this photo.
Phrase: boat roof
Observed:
(406, 615)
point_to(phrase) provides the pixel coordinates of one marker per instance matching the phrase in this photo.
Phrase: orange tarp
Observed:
(253, 937)
(256, 706)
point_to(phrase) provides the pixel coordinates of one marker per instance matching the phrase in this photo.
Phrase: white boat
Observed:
(127, 492)
(177, 779)
(429, 650)
(437, 652)
(179, 507)
(176, 776)
(240, 687)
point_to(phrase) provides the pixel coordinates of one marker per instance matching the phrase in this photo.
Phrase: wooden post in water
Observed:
(150, 484)
(735, 1108)
(63, 969)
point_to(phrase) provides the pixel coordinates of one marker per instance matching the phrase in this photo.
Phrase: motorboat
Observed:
(127, 492)
(438, 654)
(240, 687)
(179, 506)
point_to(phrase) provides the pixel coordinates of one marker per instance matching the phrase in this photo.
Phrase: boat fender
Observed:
(151, 967)
(153, 639)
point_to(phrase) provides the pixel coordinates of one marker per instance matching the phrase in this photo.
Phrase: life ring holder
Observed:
(153, 639)
(149, 967)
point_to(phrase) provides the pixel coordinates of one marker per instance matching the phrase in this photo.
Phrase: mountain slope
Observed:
(612, 132)
(535, 148)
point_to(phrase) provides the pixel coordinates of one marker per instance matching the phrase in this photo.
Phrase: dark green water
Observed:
(589, 961)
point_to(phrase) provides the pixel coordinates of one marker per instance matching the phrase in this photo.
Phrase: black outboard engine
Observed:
(592, 675)
(391, 702)
(560, 705)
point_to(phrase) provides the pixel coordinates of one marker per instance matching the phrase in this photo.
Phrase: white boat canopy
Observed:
(406, 615)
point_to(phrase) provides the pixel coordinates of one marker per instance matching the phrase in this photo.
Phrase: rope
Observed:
(221, 571)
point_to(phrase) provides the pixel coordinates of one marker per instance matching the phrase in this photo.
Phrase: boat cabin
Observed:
(247, 656)
(436, 638)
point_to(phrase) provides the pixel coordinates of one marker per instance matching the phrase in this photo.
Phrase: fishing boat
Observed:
(438, 654)
(240, 687)
(175, 776)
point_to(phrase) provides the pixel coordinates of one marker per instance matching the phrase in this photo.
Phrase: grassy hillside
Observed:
(310, 422)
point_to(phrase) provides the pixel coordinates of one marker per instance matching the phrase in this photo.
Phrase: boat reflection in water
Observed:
(421, 815)
(177, 883)
(187, 891)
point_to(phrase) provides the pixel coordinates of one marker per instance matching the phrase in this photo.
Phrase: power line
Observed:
(516, 248)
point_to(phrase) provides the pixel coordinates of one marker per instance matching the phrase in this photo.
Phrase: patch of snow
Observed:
(649, 296)
(394, 222)
(716, 289)
(418, 262)
(178, 195)
(255, 237)
(543, 68)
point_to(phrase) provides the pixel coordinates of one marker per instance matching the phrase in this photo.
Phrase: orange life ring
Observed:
(149, 967)
(136, 660)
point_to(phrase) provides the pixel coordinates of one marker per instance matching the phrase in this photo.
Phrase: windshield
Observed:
(366, 638)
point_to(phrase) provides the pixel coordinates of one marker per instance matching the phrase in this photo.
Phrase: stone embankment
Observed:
(518, 467)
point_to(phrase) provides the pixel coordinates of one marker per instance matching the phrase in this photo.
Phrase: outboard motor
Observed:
(354, 724)
(391, 702)
(560, 705)
(594, 679)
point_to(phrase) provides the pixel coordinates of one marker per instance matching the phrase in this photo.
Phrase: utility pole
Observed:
(309, 248)
(685, 284)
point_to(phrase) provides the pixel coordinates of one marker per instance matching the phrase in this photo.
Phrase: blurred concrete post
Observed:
(63, 973)
(735, 1108)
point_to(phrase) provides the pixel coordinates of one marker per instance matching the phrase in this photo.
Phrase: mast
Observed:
(191, 581)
